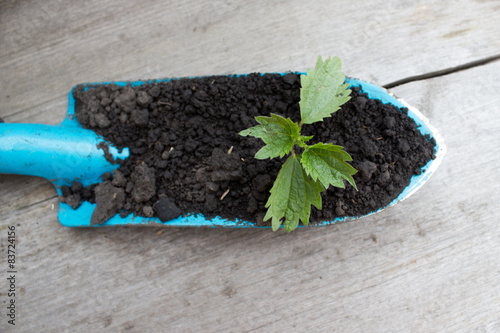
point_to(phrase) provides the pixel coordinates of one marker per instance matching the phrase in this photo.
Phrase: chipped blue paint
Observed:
(68, 152)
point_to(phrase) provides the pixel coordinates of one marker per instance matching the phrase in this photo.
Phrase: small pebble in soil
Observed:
(109, 201)
(144, 182)
(126, 100)
(102, 120)
(118, 179)
(140, 117)
(389, 122)
(106, 176)
(65, 190)
(166, 210)
(74, 200)
(366, 169)
(148, 211)
(76, 187)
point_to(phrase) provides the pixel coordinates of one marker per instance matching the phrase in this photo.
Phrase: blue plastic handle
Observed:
(62, 154)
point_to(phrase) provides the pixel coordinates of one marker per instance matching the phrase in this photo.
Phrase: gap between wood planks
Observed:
(443, 72)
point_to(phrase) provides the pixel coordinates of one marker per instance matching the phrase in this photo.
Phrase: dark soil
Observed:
(186, 155)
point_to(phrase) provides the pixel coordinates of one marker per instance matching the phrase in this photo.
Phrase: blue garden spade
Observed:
(67, 152)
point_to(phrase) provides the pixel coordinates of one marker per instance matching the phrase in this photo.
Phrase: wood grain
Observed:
(429, 264)
(49, 46)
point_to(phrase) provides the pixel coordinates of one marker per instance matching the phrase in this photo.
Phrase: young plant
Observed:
(304, 176)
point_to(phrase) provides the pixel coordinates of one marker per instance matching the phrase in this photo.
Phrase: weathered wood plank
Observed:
(427, 264)
(48, 47)
(21, 191)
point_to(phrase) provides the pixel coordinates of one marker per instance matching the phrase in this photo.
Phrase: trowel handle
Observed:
(59, 153)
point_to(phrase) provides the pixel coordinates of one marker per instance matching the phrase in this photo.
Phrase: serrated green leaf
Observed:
(277, 132)
(323, 90)
(291, 197)
(301, 140)
(313, 190)
(328, 164)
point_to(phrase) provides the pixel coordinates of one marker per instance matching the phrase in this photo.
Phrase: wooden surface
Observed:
(429, 264)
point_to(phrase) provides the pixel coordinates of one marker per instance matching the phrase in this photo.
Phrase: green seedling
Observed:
(304, 176)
